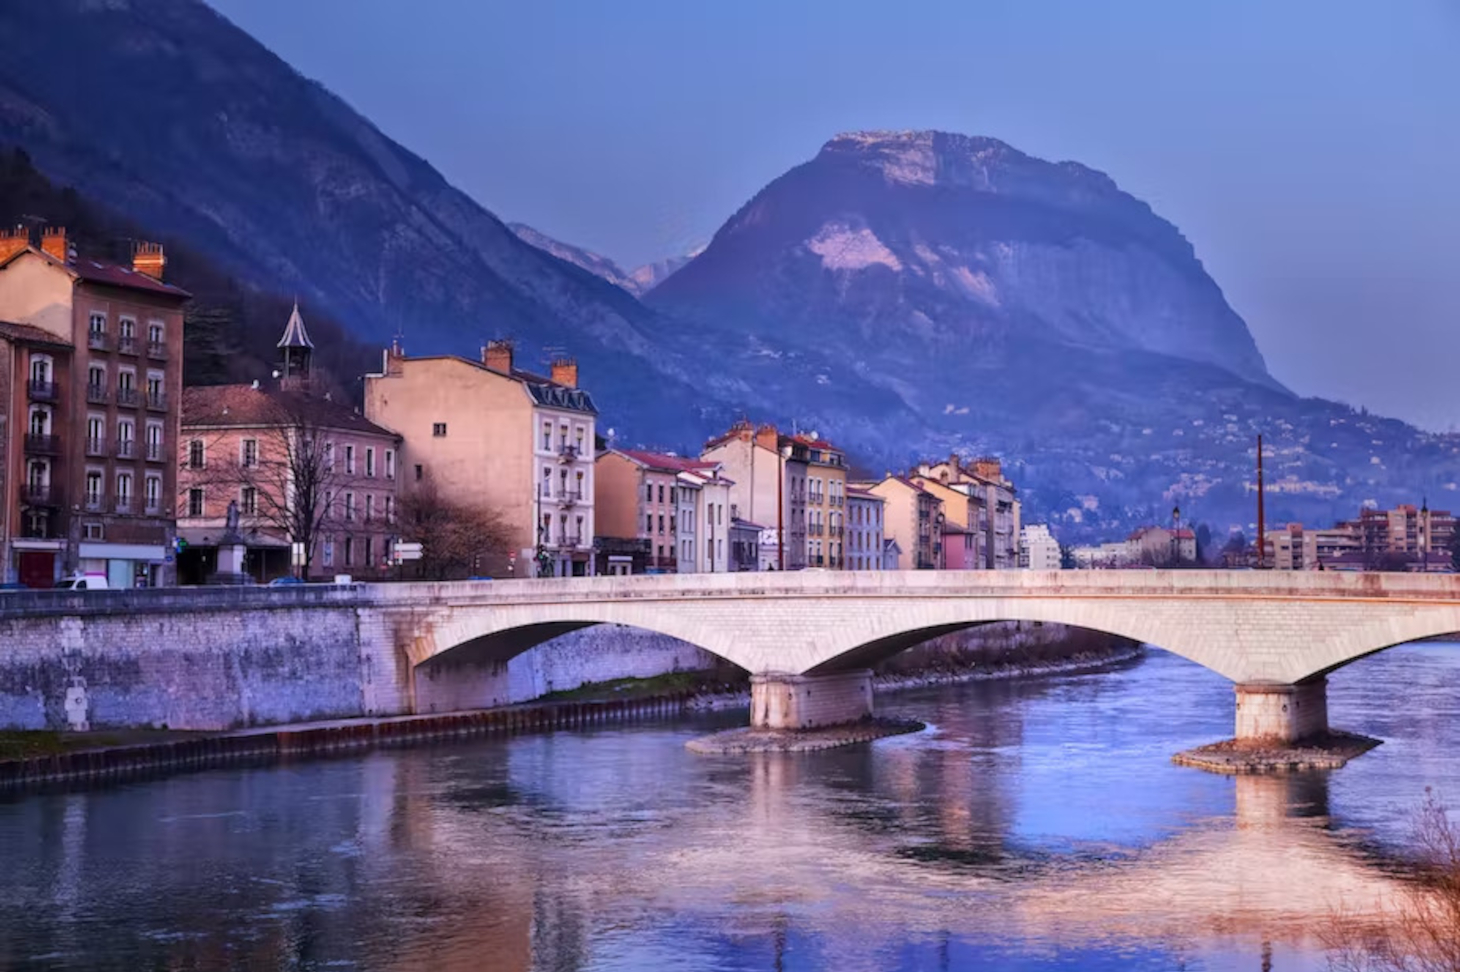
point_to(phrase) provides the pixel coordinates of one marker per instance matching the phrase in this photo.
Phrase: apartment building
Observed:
(826, 501)
(705, 519)
(770, 473)
(680, 507)
(913, 518)
(864, 538)
(1404, 538)
(994, 505)
(315, 485)
(491, 435)
(90, 375)
(1038, 548)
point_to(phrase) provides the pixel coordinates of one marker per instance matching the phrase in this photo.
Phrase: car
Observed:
(83, 582)
(285, 581)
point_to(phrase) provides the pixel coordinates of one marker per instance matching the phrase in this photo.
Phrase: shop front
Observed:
(125, 565)
(36, 563)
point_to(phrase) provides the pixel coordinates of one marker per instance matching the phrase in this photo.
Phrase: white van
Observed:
(83, 582)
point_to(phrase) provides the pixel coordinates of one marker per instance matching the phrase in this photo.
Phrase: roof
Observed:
(664, 462)
(736, 521)
(904, 481)
(32, 335)
(244, 406)
(295, 336)
(865, 494)
(544, 391)
(110, 274)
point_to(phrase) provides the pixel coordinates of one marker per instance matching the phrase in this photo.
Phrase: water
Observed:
(1036, 826)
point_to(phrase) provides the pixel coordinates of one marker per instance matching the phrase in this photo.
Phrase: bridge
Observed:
(809, 638)
(205, 658)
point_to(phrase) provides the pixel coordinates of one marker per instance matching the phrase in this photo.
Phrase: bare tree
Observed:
(1421, 933)
(296, 483)
(457, 540)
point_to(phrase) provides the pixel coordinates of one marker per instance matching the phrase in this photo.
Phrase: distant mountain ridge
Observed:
(909, 294)
(637, 282)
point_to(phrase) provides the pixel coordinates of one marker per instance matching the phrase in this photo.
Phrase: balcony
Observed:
(154, 452)
(127, 345)
(570, 542)
(94, 502)
(41, 391)
(98, 341)
(96, 448)
(567, 453)
(814, 529)
(123, 505)
(157, 401)
(126, 448)
(40, 494)
(569, 497)
(128, 397)
(152, 507)
(157, 351)
(96, 394)
(42, 445)
(39, 527)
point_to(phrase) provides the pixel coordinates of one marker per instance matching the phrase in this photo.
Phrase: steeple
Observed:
(298, 351)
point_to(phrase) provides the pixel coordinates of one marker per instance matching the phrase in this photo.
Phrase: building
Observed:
(864, 537)
(705, 504)
(490, 435)
(913, 517)
(744, 544)
(679, 506)
(1404, 538)
(314, 483)
(1159, 546)
(826, 492)
(770, 473)
(90, 376)
(1101, 556)
(992, 507)
(1038, 549)
(960, 547)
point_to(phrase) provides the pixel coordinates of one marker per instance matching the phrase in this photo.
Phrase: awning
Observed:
(123, 551)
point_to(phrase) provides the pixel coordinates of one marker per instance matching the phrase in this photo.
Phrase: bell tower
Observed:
(297, 353)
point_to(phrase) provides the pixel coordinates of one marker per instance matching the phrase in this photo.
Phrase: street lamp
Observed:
(1176, 535)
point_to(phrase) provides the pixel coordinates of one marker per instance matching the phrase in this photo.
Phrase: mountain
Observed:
(1030, 309)
(167, 114)
(637, 282)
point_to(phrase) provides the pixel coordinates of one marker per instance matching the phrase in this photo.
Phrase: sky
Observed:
(1309, 149)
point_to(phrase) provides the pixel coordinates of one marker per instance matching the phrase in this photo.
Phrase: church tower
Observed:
(298, 353)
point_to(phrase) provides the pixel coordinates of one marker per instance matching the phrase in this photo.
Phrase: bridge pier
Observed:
(1282, 713)
(782, 701)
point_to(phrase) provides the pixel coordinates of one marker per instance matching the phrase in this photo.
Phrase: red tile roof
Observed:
(664, 462)
(32, 335)
(94, 271)
(243, 406)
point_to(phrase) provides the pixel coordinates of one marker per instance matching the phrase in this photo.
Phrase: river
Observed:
(1035, 825)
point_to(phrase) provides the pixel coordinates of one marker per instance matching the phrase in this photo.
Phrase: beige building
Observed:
(313, 482)
(90, 376)
(492, 435)
(678, 507)
(826, 501)
(993, 510)
(769, 472)
(913, 518)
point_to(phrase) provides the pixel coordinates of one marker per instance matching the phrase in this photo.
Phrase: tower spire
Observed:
(297, 349)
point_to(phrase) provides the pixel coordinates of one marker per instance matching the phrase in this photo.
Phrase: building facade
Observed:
(826, 501)
(914, 518)
(864, 537)
(679, 507)
(313, 483)
(492, 436)
(770, 473)
(993, 508)
(1038, 548)
(92, 375)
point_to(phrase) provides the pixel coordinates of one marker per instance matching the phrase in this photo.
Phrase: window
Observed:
(250, 452)
(93, 488)
(661, 522)
(328, 554)
(154, 332)
(390, 509)
(98, 323)
(126, 434)
(562, 438)
(547, 528)
(195, 454)
(547, 435)
(349, 551)
(95, 380)
(369, 551)
(648, 522)
(195, 502)
(578, 435)
(126, 380)
(154, 387)
(673, 494)
(369, 511)
(438, 429)
(329, 456)
(154, 442)
(578, 533)
(389, 463)
(661, 492)
(40, 421)
(126, 328)
(248, 500)
(420, 472)
(153, 496)
(369, 462)
(124, 490)
(92, 531)
(648, 492)
(349, 460)
(349, 515)
(96, 435)
(40, 369)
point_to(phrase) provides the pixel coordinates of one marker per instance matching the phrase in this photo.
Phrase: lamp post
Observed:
(1424, 536)
(1176, 535)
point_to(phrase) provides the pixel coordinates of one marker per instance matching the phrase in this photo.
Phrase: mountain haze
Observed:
(637, 282)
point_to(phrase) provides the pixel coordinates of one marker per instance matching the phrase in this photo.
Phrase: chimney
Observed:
(987, 467)
(53, 243)
(148, 259)
(565, 372)
(766, 438)
(394, 356)
(13, 241)
(497, 356)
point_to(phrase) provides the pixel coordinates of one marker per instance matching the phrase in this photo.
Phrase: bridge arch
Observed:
(1376, 635)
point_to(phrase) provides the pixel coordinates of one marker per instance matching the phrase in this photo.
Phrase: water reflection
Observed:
(1034, 826)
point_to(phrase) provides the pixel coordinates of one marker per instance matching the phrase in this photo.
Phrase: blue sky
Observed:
(1310, 149)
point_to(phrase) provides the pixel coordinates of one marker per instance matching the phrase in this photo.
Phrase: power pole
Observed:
(1261, 518)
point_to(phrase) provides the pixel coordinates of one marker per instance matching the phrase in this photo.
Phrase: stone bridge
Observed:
(809, 638)
(215, 657)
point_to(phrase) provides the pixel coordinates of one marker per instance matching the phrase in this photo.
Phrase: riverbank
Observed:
(1236, 757)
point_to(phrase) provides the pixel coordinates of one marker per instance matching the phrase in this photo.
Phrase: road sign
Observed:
(296, 554)
(407, 551)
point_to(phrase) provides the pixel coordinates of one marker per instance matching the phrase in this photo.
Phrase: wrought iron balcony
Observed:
(157, 350)
(96, 447)
(567, 453)
(128, 396)
(41, 391)
(127, 345)
(126, 448)
(42, 445)
(96, 394)
(98, 341)
(40, 494)
(154, 452)
(122, 506)
(157, 401)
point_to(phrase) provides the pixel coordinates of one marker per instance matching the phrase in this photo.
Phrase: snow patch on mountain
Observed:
(842, 247)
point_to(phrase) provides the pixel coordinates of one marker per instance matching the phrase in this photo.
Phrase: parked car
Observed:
(83, 582)
(285, 581)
